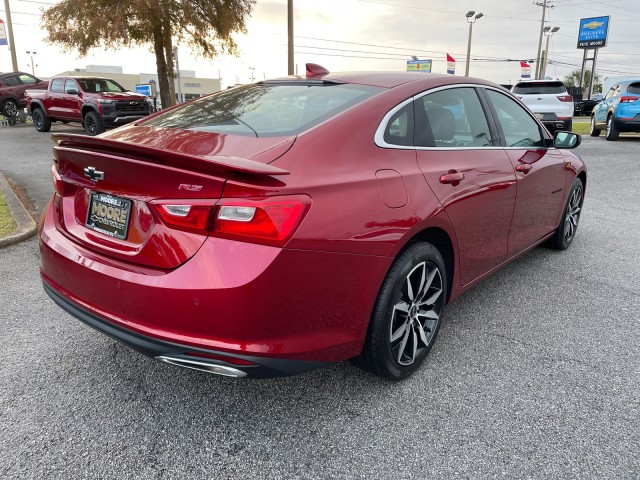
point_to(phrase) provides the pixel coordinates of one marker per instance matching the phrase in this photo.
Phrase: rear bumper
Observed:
(245, 300)
(558, 124)
(627, 125)
(152, 347)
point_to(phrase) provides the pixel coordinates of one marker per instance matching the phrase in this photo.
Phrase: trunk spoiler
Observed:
(204, 163)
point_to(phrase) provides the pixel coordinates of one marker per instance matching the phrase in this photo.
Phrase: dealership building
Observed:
(188, 84)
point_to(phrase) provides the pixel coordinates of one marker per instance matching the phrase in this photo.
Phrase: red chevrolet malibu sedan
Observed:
(272, 228)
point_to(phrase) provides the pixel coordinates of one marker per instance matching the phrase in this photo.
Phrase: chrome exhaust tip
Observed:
(214, 368)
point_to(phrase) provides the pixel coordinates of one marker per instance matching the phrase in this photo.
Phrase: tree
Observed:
(573, 80)
(204, 25)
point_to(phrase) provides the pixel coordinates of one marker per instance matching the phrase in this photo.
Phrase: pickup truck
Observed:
(95, 102)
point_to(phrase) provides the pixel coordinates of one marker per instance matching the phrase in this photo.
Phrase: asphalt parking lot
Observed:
(535, 374)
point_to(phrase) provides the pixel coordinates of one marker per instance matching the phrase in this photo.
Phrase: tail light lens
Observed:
(269, 220)
(565, 98)
(628, 99)
(188, 215)
(57, 179)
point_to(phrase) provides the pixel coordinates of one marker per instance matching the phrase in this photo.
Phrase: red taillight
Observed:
(189, 215)
(269, 220)
(628, 99)
(57, 179)
(565, 98)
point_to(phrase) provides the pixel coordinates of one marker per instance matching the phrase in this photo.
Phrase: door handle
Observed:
(524, 167)
(452, 177)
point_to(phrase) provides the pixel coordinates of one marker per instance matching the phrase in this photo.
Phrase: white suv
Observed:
(549, 101)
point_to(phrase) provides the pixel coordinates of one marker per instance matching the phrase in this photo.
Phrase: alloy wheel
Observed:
(37, 120)
(11, 108)
(573, 214)
(90, 124)
(416, 314)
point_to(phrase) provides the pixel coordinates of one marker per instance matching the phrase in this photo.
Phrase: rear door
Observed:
(469, 173)
(540, 172)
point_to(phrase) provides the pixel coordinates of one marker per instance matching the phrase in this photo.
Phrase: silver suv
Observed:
(549, 101)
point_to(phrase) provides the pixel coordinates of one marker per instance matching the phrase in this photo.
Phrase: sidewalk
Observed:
(26, 227)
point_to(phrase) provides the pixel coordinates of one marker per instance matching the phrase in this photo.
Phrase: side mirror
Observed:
(72, 91)
(566, 140)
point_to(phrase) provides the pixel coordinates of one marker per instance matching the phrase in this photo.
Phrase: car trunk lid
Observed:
(125, 194)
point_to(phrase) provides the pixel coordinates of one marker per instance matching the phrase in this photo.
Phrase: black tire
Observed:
(568, 227)
(593, 130)
(10, 108)
(93, 124)
(414, 318)
(612, 132)
(568, 125)
(41, 121)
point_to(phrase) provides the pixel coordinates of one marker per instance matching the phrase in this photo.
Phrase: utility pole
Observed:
(290, 34)
(539, 58)
(12, 44)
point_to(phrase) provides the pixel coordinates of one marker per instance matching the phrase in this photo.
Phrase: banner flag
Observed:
(526, 70)
(3, 35)
(451, 65)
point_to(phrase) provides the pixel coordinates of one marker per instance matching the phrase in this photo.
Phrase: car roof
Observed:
(382, 79)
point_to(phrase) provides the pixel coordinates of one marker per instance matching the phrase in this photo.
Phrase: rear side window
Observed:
(634, 88)
(399, 130)
(266, 109)
(11, 82)
(539, 88)
(451, 118)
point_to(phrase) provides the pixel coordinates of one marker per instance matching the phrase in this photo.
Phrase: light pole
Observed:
(252, 69)
(548, 32)
(33, 65)
(471, 19)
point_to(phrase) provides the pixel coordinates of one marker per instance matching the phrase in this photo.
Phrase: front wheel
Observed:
(10, 108)
(41, 122)
(593, 130)
(93, 123)
(568, 227)
(612, 132)
(407, 314)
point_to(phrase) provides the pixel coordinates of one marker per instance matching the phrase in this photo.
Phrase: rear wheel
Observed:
(10, 108)
(593, 130)
(41, 122)
(407, 314)
(568, 227)
(93, 123)
(568, 125)
(612, 131)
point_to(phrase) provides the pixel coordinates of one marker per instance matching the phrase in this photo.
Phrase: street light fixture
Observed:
(548, 32)
(472, 18)
(252, 69)
(33, 66)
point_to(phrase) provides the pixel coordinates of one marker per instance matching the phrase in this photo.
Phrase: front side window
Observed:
(266, 109)
(57, 85)
(28, 79)
(519, 129)
(451, 118)
(70, 86)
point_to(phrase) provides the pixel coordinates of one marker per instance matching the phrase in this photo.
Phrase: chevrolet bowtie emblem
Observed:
(93, 174)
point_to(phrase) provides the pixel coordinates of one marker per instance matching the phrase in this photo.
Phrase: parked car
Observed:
(95, 102)
(12, 88)
(233, 236)
(589, 104)
(618, 112)
(549, 101)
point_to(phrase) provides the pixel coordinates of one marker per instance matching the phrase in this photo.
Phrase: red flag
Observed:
(526, 70)
(451, 65)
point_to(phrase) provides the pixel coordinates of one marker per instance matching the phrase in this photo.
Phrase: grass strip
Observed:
(7, 223)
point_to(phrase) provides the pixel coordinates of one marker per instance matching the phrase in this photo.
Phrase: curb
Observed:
(26, 227)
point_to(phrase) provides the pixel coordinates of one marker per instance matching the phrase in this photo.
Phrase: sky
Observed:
(358, 35)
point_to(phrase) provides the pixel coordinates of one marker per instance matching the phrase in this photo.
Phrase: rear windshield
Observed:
(634, 89)
(540, 88)
(99, 85)
(265, 110)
